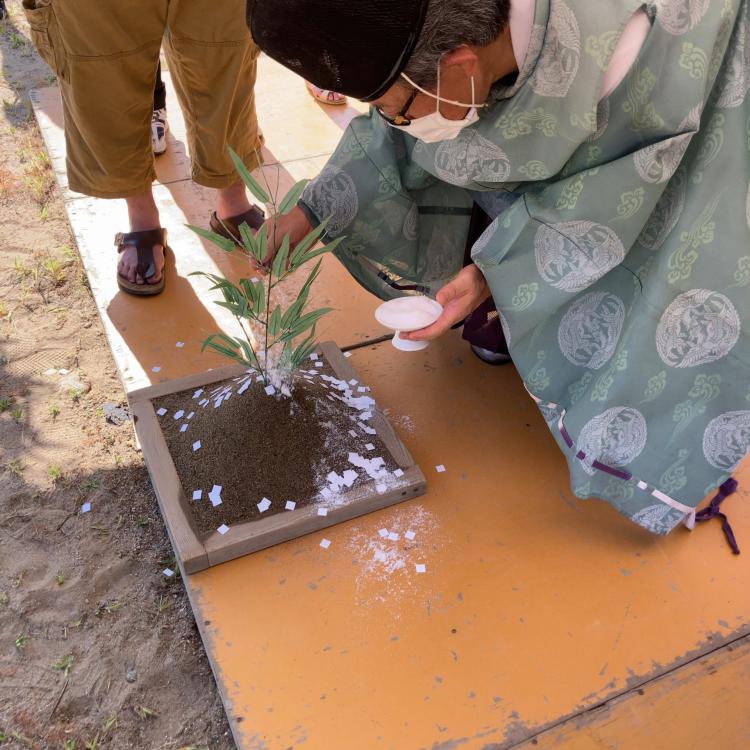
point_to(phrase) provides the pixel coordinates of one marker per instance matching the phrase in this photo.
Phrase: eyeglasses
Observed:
(401, 119)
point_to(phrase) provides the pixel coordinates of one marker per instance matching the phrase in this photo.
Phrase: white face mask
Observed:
(434, 127)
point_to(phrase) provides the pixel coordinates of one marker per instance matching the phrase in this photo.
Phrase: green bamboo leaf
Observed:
(303, 293)
(262, 238)
(304, 350)
(307, 242)
(275, 322)
(291, 316)
(306, 321)
(249, 243)
(315, 252)
(249, 352)
(247, 178)
(217, 239)
(279, 262)
(291, 198)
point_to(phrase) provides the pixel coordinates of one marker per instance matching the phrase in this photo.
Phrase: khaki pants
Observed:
(105, 53)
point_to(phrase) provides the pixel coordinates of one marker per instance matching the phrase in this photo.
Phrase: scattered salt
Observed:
(63, 371)
(285, 391)
(325, 543)
(196, 446)
(223, 529)
(161, 412)
(290, 505)
(264, 505)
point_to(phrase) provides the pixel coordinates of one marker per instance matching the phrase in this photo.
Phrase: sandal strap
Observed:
(230, 227)
(144, 243)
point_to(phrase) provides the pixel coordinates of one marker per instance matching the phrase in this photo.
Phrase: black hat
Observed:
(354, 47)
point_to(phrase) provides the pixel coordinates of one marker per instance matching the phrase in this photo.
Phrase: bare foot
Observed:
(143, 215)
(232, 200)
(324, 96)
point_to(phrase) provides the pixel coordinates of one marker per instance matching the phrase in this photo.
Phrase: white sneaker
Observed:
(159, 128)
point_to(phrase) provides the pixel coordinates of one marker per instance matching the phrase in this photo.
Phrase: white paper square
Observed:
(290, 505)
(383, 533)
(325, 543)
(197, 494)
(325, 492)
(161, 412)
(86, 507)
(168, 572)
(353, 381)
(264, 505)
(319, 364)
(322, 511)
(223, 529)
(410, 535)
(198, 393)
(369, 447)
(191, 415)
(178, 414)
(421, 568)
(440, 468)
(353, 434)
(314, 357)
(270, 390)
(156, 368)
(347, 354)
(180, 344)
(196, 446)
(362, 389)
(393, 536)
(183, 428)
(398, 473)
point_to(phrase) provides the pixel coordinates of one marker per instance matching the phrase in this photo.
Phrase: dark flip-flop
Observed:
(144, 243)
(230, 227)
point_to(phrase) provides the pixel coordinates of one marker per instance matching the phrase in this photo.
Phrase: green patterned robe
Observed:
(619, 255)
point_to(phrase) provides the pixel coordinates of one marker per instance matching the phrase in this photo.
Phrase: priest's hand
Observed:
(459, 299)
(295, 224)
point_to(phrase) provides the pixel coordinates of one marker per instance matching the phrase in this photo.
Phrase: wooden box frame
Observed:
(195, 554)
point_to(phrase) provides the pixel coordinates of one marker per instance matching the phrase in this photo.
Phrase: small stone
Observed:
(131, 675)
(74, 385)
(116, 414)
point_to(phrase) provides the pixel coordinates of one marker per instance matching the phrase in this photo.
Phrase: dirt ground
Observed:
(97, 648)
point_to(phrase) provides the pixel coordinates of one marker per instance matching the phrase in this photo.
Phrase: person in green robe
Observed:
(607, 144)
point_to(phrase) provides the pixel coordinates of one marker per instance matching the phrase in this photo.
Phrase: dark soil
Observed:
(258, 446)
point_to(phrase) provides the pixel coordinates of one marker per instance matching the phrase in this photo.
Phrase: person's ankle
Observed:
(143, 214)
(232, 201)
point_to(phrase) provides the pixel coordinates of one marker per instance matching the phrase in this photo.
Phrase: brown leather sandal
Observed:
(230, 227)
(144, 243)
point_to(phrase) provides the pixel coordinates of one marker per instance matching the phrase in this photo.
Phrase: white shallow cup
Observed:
(408, 314)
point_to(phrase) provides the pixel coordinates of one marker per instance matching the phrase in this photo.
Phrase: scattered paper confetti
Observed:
(204, 403)
(191, 415)
(383, 533)
(215, 495)
(197, 494)
(353, 434)
(178, 414)
(421, 568)
(63, 371)
(196, 446)
(314, 357)
(362, 389)
(410, 535)
(319, 364)
(168, 572)
(325, 543)
(290, 505)
(223, 529)
(322, 511)
(264, 505)
(198, 393)
(156, 369)
(440, 468)
(86, 507)
(347, 354)
(270, 390)
(285, 391)
(369, 447)
(180, 344)
(353, 381)
(398, 473)
(183, 428)
(161, 412)
(393, 536)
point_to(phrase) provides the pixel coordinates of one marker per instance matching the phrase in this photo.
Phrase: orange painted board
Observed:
(701, 706)
(534, 605)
